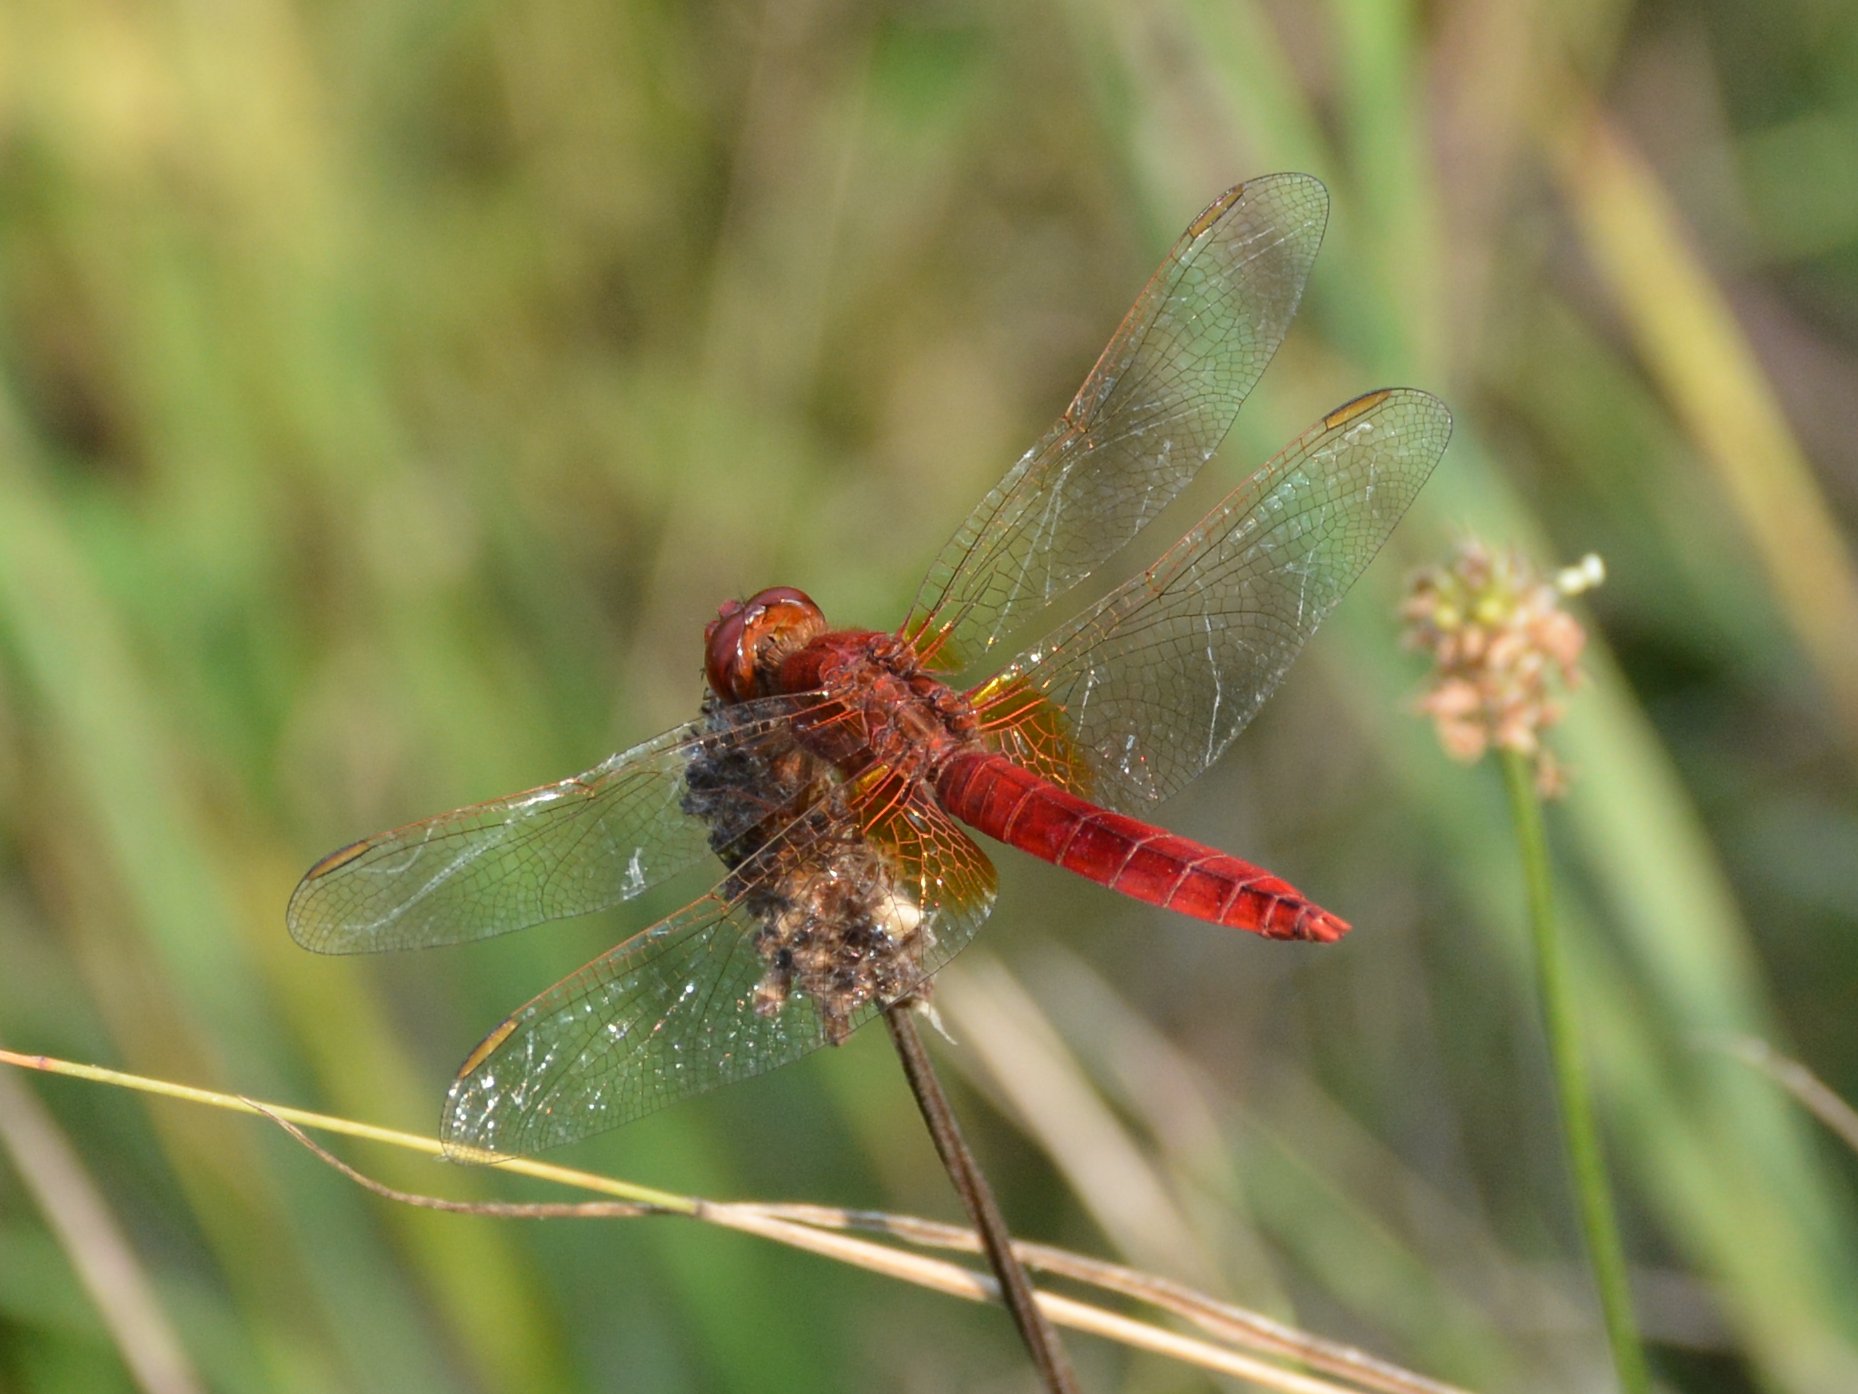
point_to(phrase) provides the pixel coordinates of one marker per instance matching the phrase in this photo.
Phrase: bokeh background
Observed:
(390, 391)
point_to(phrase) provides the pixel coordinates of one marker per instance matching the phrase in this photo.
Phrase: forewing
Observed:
(675, 1010)
(1152, 683)
(563, 849)
(1159, 401)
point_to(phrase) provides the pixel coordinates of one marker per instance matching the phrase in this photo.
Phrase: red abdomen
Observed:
(991, 793)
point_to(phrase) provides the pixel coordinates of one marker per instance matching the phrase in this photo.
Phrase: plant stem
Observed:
(1580, 1136)
(978, 1200)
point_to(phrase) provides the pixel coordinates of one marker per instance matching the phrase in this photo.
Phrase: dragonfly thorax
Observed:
(879, 704)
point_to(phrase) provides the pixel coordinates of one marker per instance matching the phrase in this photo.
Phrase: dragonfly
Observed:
(832, 775)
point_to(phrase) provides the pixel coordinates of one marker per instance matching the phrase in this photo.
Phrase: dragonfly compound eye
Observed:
(747, 640)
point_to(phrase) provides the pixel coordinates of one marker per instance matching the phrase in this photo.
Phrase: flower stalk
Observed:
(1016, 1292)
(1580, 1136)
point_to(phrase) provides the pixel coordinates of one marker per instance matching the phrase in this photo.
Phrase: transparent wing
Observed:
(563, 849)
(1143, 691)
(1159, 401)
(705, 997)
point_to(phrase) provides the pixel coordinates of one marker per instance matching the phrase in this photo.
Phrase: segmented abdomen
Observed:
(989, 792)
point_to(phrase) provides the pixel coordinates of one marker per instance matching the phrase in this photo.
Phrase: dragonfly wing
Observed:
(1153, 410)
(1149, 686)
(715, 993)
(563, 849)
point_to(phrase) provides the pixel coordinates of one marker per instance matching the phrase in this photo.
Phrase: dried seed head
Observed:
(1499, 641)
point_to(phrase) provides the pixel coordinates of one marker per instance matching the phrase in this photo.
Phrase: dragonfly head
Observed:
(746, 643)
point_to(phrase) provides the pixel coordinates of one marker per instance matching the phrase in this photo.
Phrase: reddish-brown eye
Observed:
(748, 639)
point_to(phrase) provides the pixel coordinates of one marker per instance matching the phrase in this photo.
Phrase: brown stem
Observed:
(977, 1199)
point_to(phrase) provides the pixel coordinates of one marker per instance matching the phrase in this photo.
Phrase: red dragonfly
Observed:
(831, 769)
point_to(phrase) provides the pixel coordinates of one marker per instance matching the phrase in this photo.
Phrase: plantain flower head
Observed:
(1501, 644)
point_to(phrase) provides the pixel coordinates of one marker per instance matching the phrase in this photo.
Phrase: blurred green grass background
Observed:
(389, 392)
